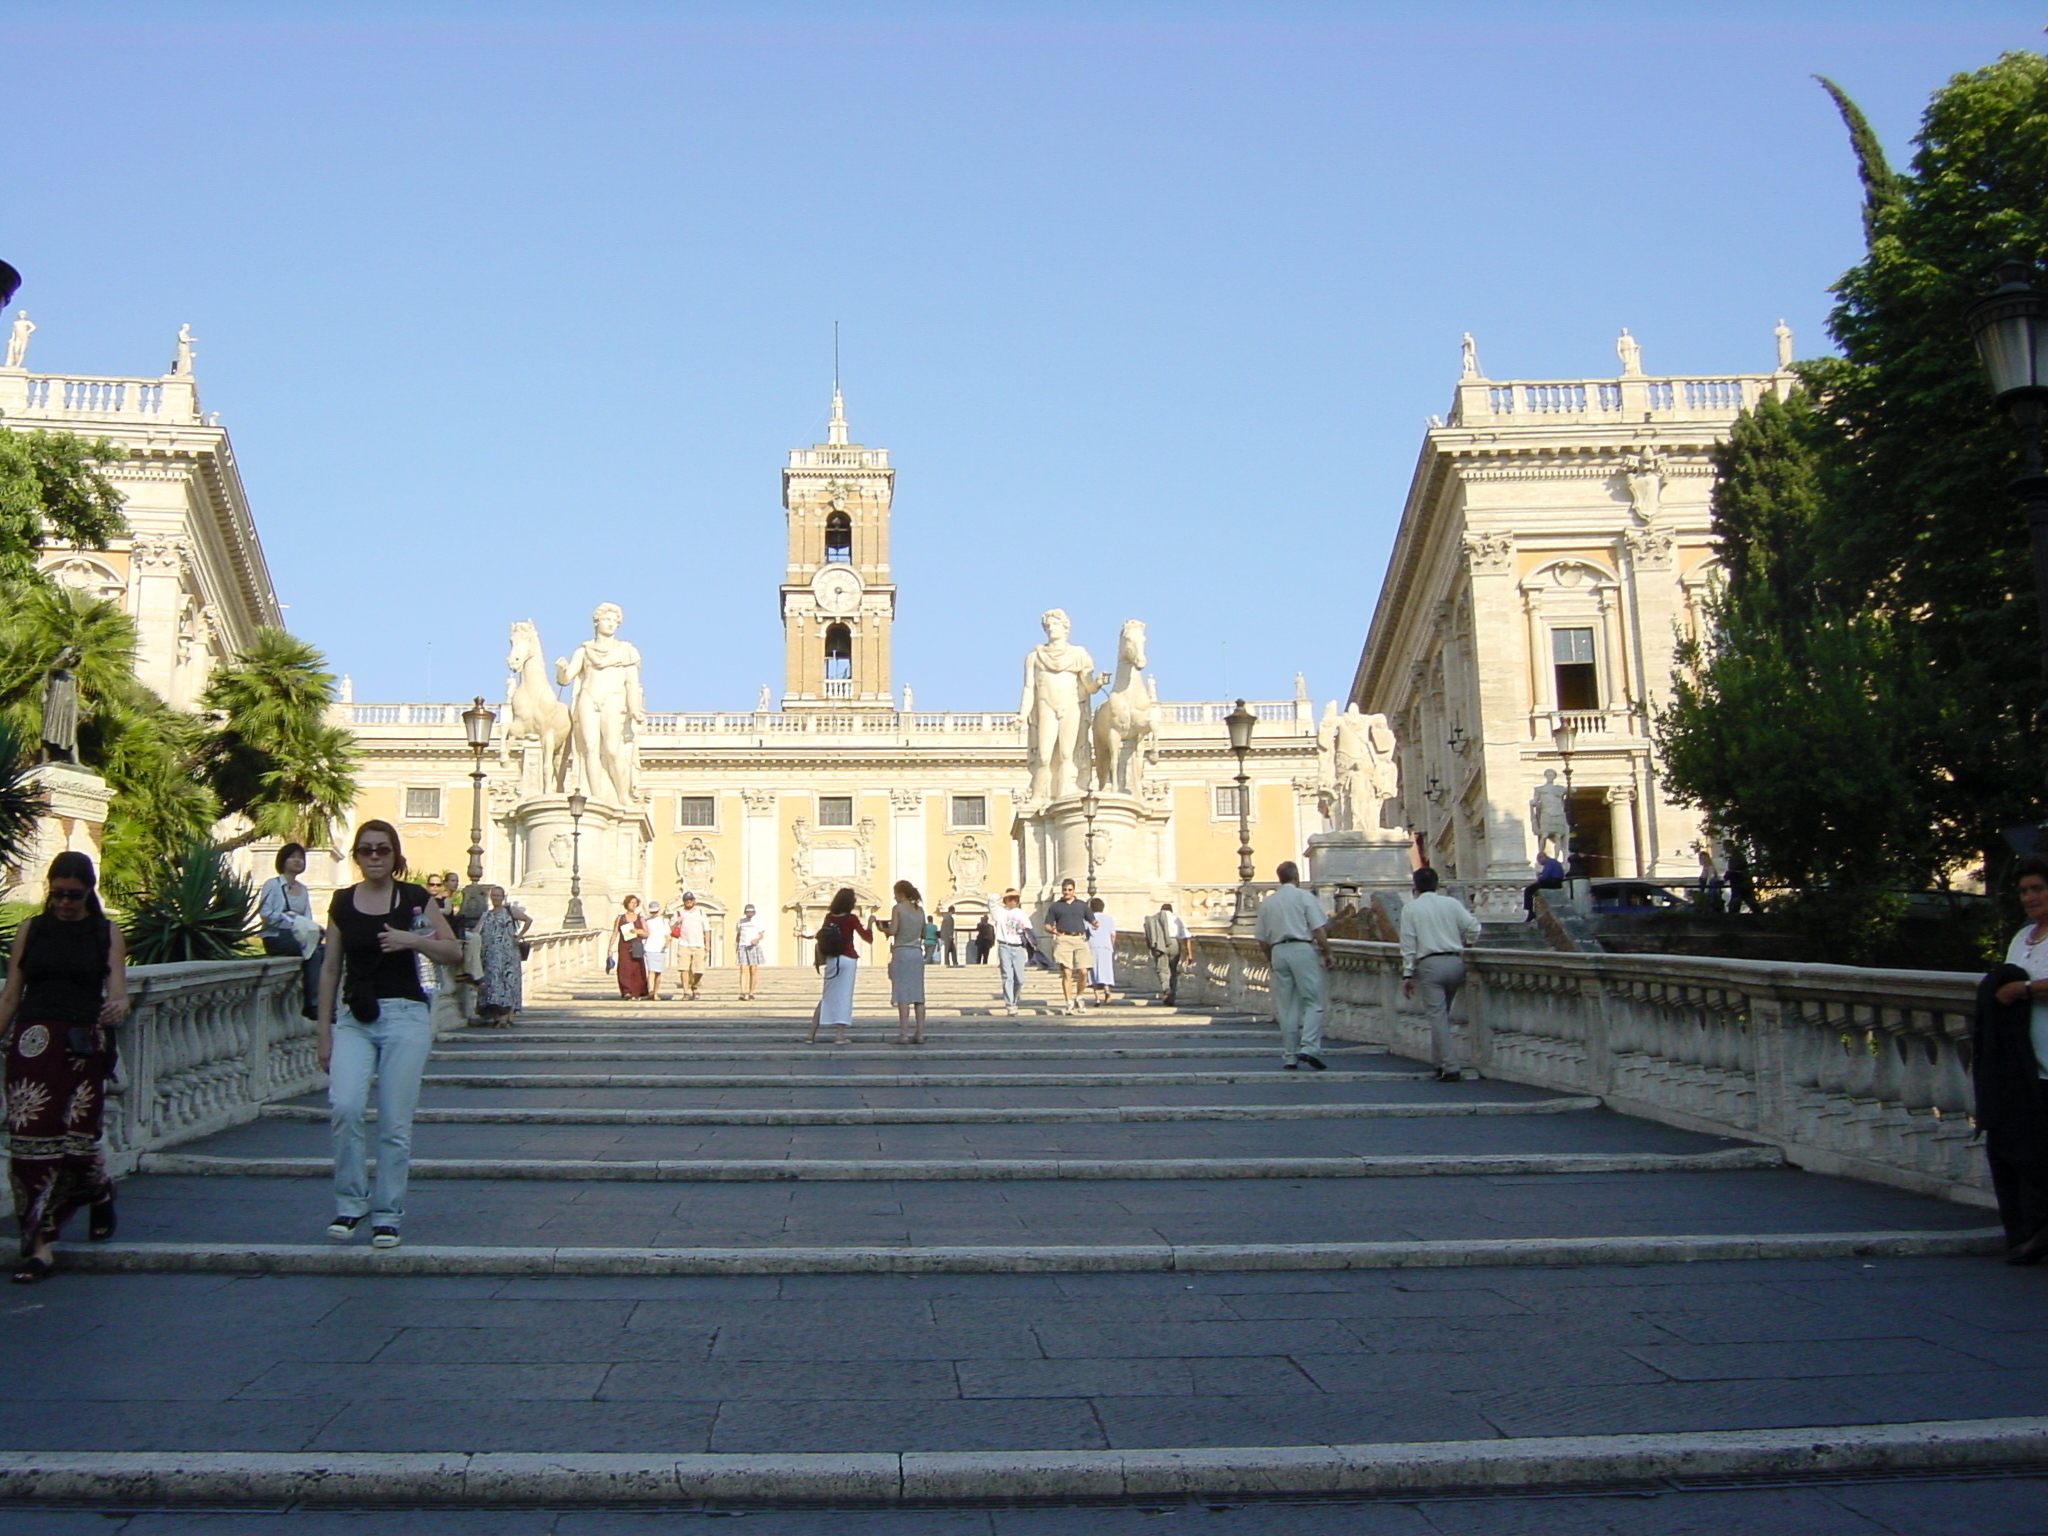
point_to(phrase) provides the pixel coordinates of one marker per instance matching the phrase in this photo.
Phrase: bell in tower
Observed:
(838, 603)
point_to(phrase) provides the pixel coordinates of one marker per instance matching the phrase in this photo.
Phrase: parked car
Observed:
(1634, 898)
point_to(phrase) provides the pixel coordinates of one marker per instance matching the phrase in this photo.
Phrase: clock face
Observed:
(836, 589)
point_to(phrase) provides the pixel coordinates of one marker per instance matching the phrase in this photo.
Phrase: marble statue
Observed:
(1468, 360)
(1630, 353)
(181, 363)
(906, 698)
(1060, 681)
(535, 714)
(1363, 767)
(17, 339)
(1549, 815)
(968, 865)
(761, 704)
(606, 709)
(1784, 335)
(60, 709)
(1128, 718)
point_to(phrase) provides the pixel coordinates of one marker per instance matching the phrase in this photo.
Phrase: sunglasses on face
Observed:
(374, 851)
(60, 893)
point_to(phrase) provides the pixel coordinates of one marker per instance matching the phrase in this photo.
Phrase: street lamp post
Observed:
(1240, 722)
(1565, 733)
(1089, 802)
(572, 917)
(2010, 327)
(477, 721)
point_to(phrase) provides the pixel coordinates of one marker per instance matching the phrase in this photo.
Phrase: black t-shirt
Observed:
(64, 969)
(1068, 916)
(373, 970)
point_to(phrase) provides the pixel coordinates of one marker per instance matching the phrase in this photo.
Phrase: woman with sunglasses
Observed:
(376, 931)
(67, 987)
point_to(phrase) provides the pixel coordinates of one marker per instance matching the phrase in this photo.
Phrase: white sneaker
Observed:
(384, 1237)
(1013, 1010)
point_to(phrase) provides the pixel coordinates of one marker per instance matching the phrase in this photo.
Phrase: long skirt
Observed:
(1102, 962)
(632, 975)
(55, 1100)
(836, 1008)
(906, 974)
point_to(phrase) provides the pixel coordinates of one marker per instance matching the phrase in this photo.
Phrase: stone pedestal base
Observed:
(547, 845)
(75, 818)
(1128, 850)
(1376, 857)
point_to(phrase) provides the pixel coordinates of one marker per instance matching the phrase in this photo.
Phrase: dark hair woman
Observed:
(285, 908)
(376, 931)
(905, 928)
(629, 929)
(67, 987)
(839, 961)
(2009, 1063)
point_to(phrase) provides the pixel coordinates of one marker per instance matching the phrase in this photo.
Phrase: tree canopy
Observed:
(52, 487)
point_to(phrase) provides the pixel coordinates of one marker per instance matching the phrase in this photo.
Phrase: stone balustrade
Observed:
(53, 398)
(1863, 1073)
(208, 1043)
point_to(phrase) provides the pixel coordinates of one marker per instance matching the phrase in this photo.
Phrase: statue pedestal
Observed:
(611, 852)
(74, 818)
(1376, 856)
(1128, 845)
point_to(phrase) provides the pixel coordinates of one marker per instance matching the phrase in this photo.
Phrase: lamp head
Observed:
(10, 280)
(577, 801)
(2010, 328)
(1239, 722)
(477, 721)
(1565, 733)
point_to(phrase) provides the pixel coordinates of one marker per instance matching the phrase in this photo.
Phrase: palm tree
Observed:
(41, 620)
(21, 801)
(273, 759)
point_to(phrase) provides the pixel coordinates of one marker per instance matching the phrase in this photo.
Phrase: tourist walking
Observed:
(1070, 923)
(629, 932)
(1101, 950)
(2009, 1066)
(284, 907)
(67, 989)
(930, 936)
(837, 959)
(1172, 947)
(1013, 947)
(984, 939)
(501, 985)
(949, 938)
(693, 945)
(377, 931)
(747, 936)
(654, 949)
(1294, 931)
(1435, 929)
(907, 959)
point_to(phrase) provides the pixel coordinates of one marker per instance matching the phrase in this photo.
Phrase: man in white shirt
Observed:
(1435, 929)
(1167, 937)
(693, 938)
(1013, 939)
(1293, 930)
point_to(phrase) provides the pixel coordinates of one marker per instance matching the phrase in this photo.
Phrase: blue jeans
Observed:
(1010, 961)
(394, 1048)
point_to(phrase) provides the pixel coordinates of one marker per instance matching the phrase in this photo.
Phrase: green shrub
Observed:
(196, 908)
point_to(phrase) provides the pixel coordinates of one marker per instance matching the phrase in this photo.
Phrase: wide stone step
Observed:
(857, 1074)
(1077, 1051)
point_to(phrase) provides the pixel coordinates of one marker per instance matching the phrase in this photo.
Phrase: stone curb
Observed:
(1147, 1258)
(1130, 1114)
(877, 1050)
(486, 1478)
(1270, 1074)
(821, 1170)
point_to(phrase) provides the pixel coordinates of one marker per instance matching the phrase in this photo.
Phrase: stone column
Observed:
(759, 845)
(906, 842)
(1621, 804)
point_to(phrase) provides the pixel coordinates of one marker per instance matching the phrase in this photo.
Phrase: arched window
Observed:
(838, 652)
(839, 539)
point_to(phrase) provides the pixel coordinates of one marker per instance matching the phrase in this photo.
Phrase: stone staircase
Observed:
(663, 1252)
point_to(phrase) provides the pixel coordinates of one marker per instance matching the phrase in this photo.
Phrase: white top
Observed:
(2033, 959)
(1288, 914)
(1013, 924)
(692, 928)
(749, 930)
(1434, 924)
(656, 941)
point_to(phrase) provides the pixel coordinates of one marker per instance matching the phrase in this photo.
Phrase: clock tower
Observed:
(838, 602)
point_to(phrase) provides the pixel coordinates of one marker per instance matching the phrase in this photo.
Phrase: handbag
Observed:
(525, 950)
(636, 949)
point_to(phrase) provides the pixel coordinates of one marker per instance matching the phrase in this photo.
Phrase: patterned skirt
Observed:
(55, 1100)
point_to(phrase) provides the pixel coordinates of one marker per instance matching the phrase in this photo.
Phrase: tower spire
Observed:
(837, 432)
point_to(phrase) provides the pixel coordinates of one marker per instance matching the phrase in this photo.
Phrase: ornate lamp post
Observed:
(477, 721)
(572, 915)
(1240, 723)
(2010, 327)
(1565, 732)
(1089, 802)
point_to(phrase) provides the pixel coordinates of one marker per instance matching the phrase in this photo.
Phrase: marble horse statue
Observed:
(1127, 719)
(537, 713)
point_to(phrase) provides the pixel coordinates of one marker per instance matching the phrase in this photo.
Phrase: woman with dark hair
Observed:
(2009, 1063)
(67, 987)
(377, 929)
(838, 961)
(630, 929)
(285, 907)
(907, 961)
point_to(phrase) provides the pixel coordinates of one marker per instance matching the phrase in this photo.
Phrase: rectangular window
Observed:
(423, 805)
(1226, 801)
(1578, 676)
(970, 810)
(835, 810)
(696, 811)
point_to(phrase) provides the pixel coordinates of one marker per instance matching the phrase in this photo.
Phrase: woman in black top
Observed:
(376, 931)
(67, 987)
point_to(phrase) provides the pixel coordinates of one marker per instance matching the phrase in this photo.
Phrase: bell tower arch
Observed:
(838, 602)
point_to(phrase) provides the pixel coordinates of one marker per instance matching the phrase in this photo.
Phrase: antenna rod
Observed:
(835, 356)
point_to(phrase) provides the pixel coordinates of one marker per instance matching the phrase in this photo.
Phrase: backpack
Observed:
(831, 941)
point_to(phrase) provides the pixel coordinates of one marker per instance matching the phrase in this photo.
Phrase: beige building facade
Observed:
(1555, 544)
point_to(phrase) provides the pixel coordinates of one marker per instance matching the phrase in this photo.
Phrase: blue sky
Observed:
(515, 308)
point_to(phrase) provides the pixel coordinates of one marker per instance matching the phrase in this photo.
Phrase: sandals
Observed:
(33, 1271)
(101, 1229)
